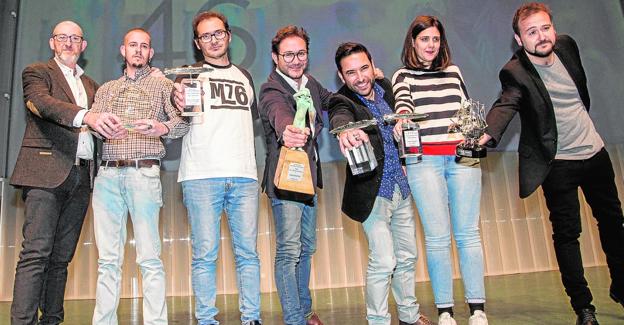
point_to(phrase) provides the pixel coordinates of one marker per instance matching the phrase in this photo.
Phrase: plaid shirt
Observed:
(144, 97)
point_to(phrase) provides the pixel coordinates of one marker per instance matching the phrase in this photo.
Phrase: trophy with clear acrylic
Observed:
(409, 142)
(130, 104)
(361, 158)
(193, 88)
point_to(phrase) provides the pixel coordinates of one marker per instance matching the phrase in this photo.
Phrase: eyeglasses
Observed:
(62, 38)
(290, 56)
(207, 37)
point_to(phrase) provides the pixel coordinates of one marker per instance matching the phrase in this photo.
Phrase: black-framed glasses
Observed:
(290, 56)
(207, 37)
(62, 38)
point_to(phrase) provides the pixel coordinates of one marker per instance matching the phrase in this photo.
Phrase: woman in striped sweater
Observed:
(447, 192)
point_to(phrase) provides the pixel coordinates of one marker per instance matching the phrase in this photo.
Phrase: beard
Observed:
(542, 54)
(68, 58)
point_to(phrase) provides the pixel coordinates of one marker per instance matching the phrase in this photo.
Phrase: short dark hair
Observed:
(527, 10)
(348, 48)
(409, 56)
(207, 15)
(288, 31)
(138, 29)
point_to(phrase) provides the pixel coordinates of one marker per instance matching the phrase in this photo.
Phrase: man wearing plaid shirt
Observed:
(129, 179)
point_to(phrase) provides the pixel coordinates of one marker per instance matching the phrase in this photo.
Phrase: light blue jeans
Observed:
(392, 253)
(295, 228)
(447, 196)
(118, 191)
(205, 200)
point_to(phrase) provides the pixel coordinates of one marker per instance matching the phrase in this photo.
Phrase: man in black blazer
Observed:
(380, 199)
(54, 168)
(294, 213)
(559, 148)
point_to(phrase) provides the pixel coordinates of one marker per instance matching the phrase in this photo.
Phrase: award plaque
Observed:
(293, 171)
(130, 104)
(409, 142)
(193, 88)
(361, 158)
(470, 122)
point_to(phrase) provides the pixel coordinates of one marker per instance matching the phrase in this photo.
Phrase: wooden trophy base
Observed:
(293, 172)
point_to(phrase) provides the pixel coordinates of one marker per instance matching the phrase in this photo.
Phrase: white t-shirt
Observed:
(220, 142)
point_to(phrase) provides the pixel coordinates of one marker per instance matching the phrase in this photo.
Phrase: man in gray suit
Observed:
(54, 168)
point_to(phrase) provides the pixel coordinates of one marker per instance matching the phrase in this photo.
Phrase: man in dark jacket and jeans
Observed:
(560, 149)
(294, 213)
(379, 199)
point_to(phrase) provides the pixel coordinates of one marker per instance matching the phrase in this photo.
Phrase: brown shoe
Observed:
(423, 320)
(314, 320)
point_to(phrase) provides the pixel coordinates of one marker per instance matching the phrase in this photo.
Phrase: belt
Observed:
(136, 163)
(81, 162)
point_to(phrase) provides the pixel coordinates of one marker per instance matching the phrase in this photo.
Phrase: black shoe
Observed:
(586, 317)
(616, 299)
(253, 322)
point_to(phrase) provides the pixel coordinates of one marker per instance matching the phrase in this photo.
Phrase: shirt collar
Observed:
(67, 71)
(140, 73)
(379, 94)
(292, 83)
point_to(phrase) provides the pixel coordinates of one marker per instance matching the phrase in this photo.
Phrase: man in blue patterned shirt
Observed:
(379, 199)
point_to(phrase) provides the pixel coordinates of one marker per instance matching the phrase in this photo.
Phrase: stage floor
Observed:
(530, 298)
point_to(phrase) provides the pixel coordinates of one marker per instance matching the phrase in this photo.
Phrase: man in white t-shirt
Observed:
(218, 172)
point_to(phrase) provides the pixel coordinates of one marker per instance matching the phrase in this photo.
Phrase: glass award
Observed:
(193, 88)
(193, 91)
(409, 142)
(361, 159)
(130, 104)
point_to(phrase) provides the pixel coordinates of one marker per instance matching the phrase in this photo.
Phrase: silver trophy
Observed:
(409, 142)
(130, 104)
(193, 90)
(361, 158)
(470, 122)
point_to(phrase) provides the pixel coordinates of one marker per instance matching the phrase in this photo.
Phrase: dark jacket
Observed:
(50, 141)
(524, 92)
(361, 190)
(277, 110)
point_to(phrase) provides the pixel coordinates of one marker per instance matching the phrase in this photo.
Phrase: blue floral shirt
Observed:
(392, 171)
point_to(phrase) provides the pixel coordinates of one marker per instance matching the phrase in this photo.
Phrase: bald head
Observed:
(67, 43)
(63, 26)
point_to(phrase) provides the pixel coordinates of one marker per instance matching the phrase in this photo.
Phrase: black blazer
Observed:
(524, 92)
(277, 110)
(361, 190)
(50, 141)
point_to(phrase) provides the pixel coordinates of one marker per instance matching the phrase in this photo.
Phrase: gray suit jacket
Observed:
(50, 141)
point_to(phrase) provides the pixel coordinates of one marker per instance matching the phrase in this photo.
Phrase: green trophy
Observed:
(293, 167)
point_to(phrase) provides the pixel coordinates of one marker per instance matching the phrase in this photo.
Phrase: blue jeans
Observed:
(295, 228)
(205, 200)
(118, 191)
(448, 195)
(391, 234)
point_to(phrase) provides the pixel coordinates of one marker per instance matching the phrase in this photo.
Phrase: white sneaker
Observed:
(478, 318)
(446, 319)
